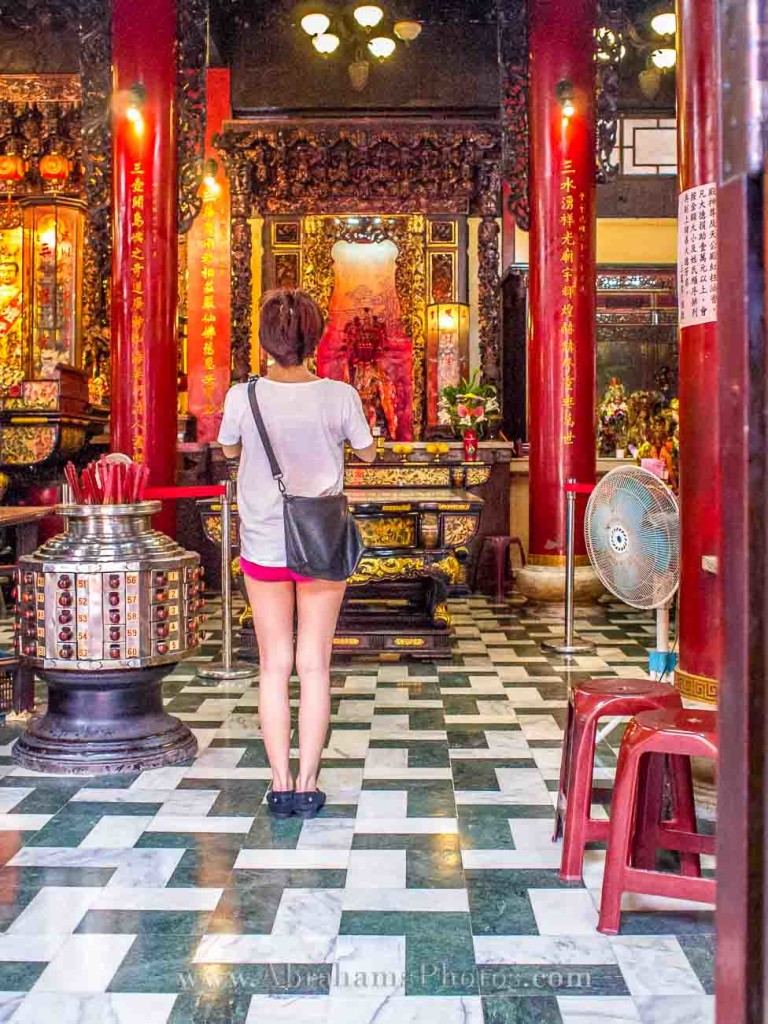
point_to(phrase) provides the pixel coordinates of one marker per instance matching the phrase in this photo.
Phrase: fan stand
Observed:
(573, 645)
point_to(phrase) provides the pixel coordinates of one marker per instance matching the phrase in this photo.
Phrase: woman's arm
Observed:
(367, 454)
(232, 451)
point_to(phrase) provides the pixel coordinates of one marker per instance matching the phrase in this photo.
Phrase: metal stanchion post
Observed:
(226, 668)
(573, 645)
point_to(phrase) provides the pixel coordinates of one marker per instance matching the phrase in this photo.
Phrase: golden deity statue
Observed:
(10, 311)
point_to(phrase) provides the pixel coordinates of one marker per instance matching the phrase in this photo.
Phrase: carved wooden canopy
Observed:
(363, 167)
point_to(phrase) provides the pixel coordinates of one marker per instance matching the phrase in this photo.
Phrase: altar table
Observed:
(415, 550)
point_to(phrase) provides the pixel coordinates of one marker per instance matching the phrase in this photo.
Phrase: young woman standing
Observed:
(308, 419)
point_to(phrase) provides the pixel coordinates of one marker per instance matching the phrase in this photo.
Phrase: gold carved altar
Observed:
(416, 545)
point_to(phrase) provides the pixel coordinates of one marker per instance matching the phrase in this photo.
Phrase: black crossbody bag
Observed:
(322, 540)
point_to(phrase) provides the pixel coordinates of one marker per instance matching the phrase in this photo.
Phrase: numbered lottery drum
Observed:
(104, 611)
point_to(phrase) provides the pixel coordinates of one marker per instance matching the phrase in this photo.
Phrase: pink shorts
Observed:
(271, 573)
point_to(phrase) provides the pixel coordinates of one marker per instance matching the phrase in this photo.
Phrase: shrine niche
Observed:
(361, 172)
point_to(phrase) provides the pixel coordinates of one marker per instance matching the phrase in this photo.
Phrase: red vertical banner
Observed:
(562, 268)
(144, 259)
(208, 295)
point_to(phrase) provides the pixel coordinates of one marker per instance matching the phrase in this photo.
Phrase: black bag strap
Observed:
(274, 465)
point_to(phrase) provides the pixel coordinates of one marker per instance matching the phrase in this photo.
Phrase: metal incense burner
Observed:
(104, 612)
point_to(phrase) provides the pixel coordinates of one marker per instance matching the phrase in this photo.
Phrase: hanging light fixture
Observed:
(382, 47)
(316, 23)
(368, 15)
(407, 30)
(326, 43)
(664, 23)
(664, 58)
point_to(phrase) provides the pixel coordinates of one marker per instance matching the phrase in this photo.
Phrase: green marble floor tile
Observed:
(484, 828)
(206, 863)
(505, 1009)
(700, 950)
(430, 798)
(499, 904)
(237, 797)
(481, 775)
(158, 962)
(439, 956)
(523, 980)
(19, 976)
(224, 1007)
(435, 864)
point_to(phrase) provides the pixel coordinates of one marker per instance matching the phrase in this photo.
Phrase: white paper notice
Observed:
(697, 255)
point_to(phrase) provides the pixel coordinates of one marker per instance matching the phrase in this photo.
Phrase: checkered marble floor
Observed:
(426, 892)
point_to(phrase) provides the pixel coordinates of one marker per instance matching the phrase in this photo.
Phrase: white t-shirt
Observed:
(307, 424)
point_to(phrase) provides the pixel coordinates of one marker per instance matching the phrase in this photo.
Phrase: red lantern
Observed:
(54, 168)
(12, 167)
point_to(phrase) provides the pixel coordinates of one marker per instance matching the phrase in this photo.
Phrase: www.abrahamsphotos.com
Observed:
(433, 976)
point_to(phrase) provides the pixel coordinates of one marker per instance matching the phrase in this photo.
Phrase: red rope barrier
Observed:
(580, 488)
(207, 491)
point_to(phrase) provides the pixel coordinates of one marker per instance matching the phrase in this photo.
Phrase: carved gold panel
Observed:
(458, 530)
(395, 532)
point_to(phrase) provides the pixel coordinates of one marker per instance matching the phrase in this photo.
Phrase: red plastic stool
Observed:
(637, 829)
(589, 702)
(499, 546)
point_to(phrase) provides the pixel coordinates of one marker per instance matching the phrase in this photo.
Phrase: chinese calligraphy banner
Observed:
(208, 301)
(697, 255)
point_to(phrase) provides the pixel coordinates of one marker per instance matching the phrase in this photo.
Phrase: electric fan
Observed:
(632, 531)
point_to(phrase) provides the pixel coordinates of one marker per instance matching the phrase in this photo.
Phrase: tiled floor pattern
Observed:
(426, 892)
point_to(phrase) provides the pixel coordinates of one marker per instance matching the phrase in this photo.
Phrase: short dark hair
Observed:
(290, 325)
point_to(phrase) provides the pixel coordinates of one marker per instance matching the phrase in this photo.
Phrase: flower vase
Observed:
(470, 446)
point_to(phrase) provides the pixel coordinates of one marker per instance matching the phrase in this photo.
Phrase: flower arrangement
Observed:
(469, 405)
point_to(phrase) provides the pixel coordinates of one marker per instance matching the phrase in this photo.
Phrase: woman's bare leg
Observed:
(318, 603)
(272, 605)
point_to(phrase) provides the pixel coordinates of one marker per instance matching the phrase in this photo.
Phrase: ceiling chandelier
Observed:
(364, 28)
(653, 39)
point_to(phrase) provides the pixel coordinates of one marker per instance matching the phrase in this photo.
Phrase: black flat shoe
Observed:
(308, 805)
(280, 803)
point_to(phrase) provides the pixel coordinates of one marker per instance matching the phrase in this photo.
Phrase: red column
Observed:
(144, 284)
(698, 158)
(561, 374)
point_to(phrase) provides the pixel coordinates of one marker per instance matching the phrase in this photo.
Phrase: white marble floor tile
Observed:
(85, 963)
(159, 778)
(390, 725)
(406, 826)
(290, 1008)
(23, 822)
(175, 898)
(19, 947)
(117, 831)
(292, 860)
(56, 909)
(387, 1009)
(242, 774)
(326, 834)
(598, 1010)
(544, 949)
(220, 757)
(232, 824)
(676, 1009)
(392, 803)
(185, 803)
(510, 743)
(347, 743)
(547, 761)
(526, 859)
(533, 833)
(563, 911)
(304, 948)
(9, 1004)
(525, 784)
(341, 785)
(12, 795)
(315, 912)
(412, 774)
(112, 1007)
(386, 758)
(406, 900)
(540, 727)
(354, 710)
(369, 965)
(380, 869)
(655, 965)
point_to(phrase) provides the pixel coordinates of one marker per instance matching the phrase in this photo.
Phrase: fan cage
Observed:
(632, 533)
